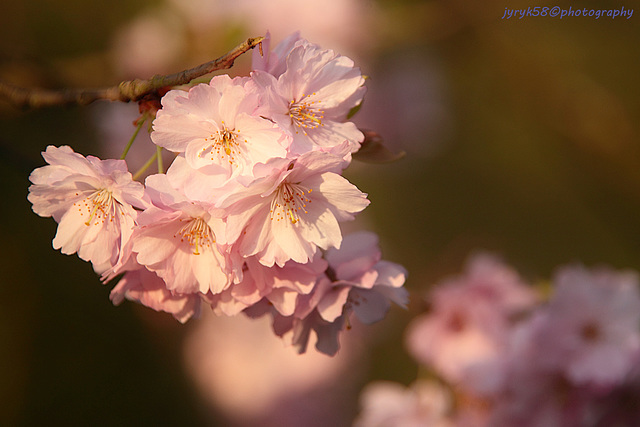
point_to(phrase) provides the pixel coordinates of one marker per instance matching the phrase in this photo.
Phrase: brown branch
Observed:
(132, 90)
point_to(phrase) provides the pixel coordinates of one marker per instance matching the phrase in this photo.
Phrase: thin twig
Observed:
(132, 90)
(133, 137)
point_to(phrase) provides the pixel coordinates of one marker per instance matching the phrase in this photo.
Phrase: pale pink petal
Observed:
(331, 305)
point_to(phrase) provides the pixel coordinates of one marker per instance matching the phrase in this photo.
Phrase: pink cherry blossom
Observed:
(280, 286)
(361, 282)
(216, 127)
(590, 329)
(422, 404)
(182, 241)
(356, 281)
(290, 214)
(296, 328)
(274, 61)
(311, 99)
(145, 287)
(91, 199)
(469, 326)
(529, 393)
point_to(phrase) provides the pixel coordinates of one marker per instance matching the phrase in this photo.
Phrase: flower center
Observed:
(305, 115)
(289, 201)
(456, 323)
(590, 332)
(99, 206)
(197, 233)
(224, 145)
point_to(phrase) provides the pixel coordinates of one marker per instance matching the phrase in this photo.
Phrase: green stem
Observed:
(159, 156)
(133, 137)
(145, 166)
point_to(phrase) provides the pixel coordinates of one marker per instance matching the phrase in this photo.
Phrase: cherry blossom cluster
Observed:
(247, 216)
(504, 358)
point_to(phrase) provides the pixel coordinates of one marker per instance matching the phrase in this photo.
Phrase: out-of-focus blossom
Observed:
(566, 358)
(387, 404)
(148, 45)
(571, 362)
(591, 325)
(470, 324)
(526, 394)
(236, 360)
(146, 288)
(91, 199)
(345, 24)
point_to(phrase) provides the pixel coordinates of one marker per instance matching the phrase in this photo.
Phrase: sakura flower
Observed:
(423, 404)
(274, 61)
(590, 329)
(215, 126)
(148, 289)
(312, 98)
(280, 286)
(296, 329)
(469, 326)
(361, 282)
(529, 394)
(288, 215)
(182, 241)
(91, 199)
(356, 281)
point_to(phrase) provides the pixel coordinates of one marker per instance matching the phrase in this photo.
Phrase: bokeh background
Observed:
(522, 138)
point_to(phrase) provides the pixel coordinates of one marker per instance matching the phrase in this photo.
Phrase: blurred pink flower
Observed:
(408, 103)
(469, 326)
(149, 44)
(529, 394)
(255, 380)
(563, 362)
(91, 199)
(345, 24)
(591, 325)
(386, 404)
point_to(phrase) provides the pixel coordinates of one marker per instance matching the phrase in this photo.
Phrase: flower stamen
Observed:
(197, 233)
(290, 200)
(224, 142)
(305, 115)
(100, 205)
